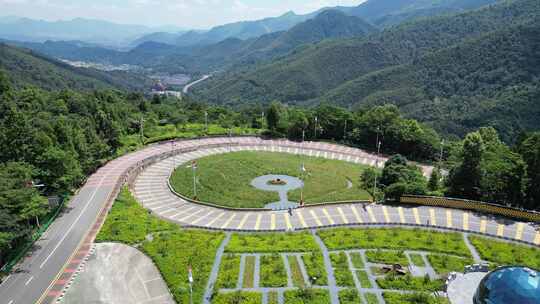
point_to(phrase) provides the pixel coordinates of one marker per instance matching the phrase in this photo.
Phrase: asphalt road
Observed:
(189, 85)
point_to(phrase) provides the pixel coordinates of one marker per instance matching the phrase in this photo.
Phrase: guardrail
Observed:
(472, 205)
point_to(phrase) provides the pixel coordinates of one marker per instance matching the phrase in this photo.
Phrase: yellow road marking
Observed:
(345, 220)
(273, 221)
(465, 221)
(500, 230)
(287, 220)
(328, 216)
(243, 221)
(519, 231)
(228, 221)
(371, 215)
(537, 238)
(258, 222)
(401, 215)
(483, 226)
(385, 212)
(448, 218)
(215, 219)
(416, 216)
(432, 217)
(201, 218)
(356, 215)
(315, 217)
(301, 218)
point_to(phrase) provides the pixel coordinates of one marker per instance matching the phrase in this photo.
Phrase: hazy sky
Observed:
(185, 13)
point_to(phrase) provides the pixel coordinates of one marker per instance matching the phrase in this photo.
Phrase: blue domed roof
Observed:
(509, 285)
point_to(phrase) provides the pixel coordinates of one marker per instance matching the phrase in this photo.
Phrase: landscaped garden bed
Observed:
(307, 296)
(271, 242)
(315, 268)
(387, 257)
(504, 253)
(239, 297)
(273, 272)
(228, 271)
(342, 273)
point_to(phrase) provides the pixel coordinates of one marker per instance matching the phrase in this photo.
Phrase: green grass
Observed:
(444, 264)
(371, 298)
(249, 272)
(296, 273)
(238, 297)
(307, 296)
(172, 249)
(228, 271)
(395, 238)
(273, 273)
(349, 296)
(225, 179)
(407, 282)
(414, 298)
(387, 257)
(417, 259)
(363, 278)
(129, 223)
(342, 273)
(314, 264)
(356, 259)
(272, 242)
(504, 253)
(273, 297)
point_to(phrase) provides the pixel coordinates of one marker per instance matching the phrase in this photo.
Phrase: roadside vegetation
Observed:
(225, 179)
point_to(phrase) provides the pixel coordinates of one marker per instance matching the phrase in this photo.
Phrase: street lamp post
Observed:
(206, 121)
(441, 156)
(315, 131)
(302, 170)
(173, 144)
(262, 120)
(141, 127)
(378, 146)
(194, 169)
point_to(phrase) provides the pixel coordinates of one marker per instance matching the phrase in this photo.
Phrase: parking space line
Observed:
(416, 216)
(449, 218)
(432, 217)
(301, 218)
(537, 238)
(519, 231)
(228, 221)
(401, 215)
(315, 217)
(465, 221)
(328, 216)
(483, 226)
(258, 222)
(371, 215)
(287, 221)
(215, 219)
(386, 216)
(345, 220)
(243, 221)
(273, 221)
(356, 215)
(500, 230)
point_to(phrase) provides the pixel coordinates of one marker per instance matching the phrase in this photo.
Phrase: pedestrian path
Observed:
(152, 190)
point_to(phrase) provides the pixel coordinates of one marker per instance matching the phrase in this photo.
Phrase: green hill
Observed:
(332, 71)
(26, 67)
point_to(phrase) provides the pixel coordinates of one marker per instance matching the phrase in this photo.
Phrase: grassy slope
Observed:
(225, 179)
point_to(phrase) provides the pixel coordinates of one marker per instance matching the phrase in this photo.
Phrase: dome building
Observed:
(508, 285)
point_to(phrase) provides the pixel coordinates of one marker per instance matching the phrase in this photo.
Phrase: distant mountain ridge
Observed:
(27, 68)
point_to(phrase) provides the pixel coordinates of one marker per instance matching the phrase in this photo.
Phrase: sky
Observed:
(192, 14)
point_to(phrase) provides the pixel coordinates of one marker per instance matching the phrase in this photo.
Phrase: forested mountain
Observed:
(233, 51)
(326, 71)
(29, 68)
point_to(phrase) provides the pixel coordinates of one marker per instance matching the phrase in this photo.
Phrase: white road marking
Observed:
(75, 222)
(29, 280)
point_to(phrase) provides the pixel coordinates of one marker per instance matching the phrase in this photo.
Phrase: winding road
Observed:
(42, 276)
(189, 85)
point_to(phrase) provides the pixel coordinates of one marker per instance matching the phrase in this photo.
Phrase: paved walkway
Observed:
(151, 189)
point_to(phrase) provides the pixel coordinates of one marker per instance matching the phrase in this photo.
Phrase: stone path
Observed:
(215, 269)
(152, 190)
(332, 287)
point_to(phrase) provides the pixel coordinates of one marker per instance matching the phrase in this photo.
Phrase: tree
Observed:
(434, 182)
(530, 150)
(4, 82)
(400, 178)
(465, 179)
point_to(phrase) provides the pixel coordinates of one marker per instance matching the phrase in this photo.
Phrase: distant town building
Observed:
(159, 89)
